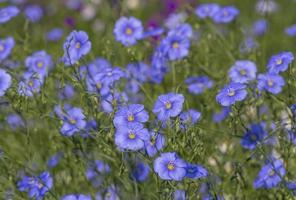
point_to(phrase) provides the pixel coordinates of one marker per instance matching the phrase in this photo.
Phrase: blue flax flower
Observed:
(243, 71)
(280, 62)
(109, 194)
(30, 84)
(260, 27)
(176, 46)
(272, 83)
(96, 171)
(270, 174)
(33, 13)
(131, 114)
(292, 186)
(231, 93)
(76, 197)
(6, 46)
(75, 47)
(14, 121)
(7, 13)
(155, 144)
(36, 186)
(131, 137)
(255, 134)
(74, 121)
(169, 166)
(179, 195)
(5, 81)
(141, 171)
(195, 171)
(198, 84)
(291, 30)
(54, 34)
(168, 105)
(221, 115)
(39, 62)
(128, 30)
(189, 118)
(207, 10)
(225, 14)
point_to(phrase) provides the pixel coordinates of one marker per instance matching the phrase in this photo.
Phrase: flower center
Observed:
(225, 13)
(109, 74)
(72, 121)
(253, 137)
(279, 61)
(132, 136)
(176, 45)
(30, 83)
(168, 105)
(40, 64)
(77, 45)
(243, 72)
(271, 172)
(128, 31)
(1, 47)
(130, 118)
(231, 92)
(270, 83)
(171, 166)
(99, 85)
(152, 142)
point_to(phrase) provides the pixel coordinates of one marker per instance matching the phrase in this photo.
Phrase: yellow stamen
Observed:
(40, 64)
(271, 173)
(243, 72)
(30, 83)
(231, 93)
(171, 166)
(279, 61)
(131, 118)
(132, 136)
(72, 121)
(176, 45)
(168, 105)
(270, 83)
(128, 31)
(77, 45)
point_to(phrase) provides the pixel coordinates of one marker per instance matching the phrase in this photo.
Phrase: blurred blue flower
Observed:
(96, 172)
(128, 30)
(198, 84)
(168, 105)
(280, 62)
(195, 171)
(189, 118)
(36, 186)
(14, 121)
(54, 160)
(141, 171)
(179, 195)
(39, 62)
(131, 114)
(138, 71)
(225, 14)
(76, 197)
(109, 194)
(5, 81)
(255, 134)
(259, 27)
(33, 13)
(248, 44)
(73, 122)
(110, 100)
(67, 92)
(131, 136)
(175, 19)
(243, 71)
(6, 46)
(270, 174)
(231, 93)
(75, 47)
(207, 10)
(155, 144)
(292, 186)
(220, 116)
(272, 83)
(7, 13)
(30, 84)
(170, 167)
(54, 34)
(293, 110)
(291, 30)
